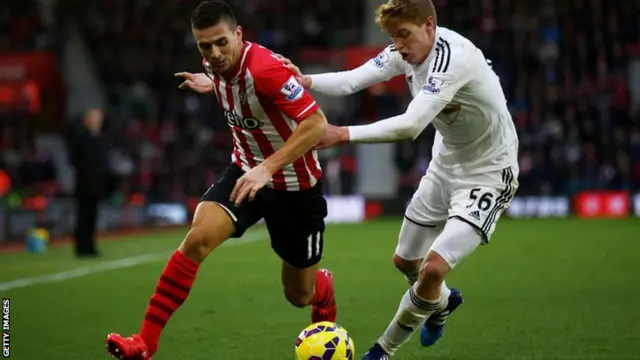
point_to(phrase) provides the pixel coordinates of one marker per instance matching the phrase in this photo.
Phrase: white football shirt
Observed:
(455, 89)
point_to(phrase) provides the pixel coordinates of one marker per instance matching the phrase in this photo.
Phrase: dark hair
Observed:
(210, 13)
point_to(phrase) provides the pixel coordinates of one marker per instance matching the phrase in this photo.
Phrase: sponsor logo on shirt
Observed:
(248, 123)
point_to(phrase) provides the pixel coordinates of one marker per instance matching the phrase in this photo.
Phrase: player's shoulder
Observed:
(389, 56)
(456, 42)
(456, 53)
(261, 60)
(269, 73)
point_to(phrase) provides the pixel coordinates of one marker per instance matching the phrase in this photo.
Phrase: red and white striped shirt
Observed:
(263, 105)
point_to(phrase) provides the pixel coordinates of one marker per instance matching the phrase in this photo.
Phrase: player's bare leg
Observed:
(409, 268)
(211, 227)
(310, 286)
(425, 297)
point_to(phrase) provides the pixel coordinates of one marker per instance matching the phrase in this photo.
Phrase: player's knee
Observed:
(211, 227)
(298, 297)
(434, 270)
(199, 243)
(406, 266)
(195, 245)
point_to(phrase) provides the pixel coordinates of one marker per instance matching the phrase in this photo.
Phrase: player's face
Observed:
(413, 41)
(220, 45)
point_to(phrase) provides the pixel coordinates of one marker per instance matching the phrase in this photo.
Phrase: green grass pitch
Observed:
(543, 289)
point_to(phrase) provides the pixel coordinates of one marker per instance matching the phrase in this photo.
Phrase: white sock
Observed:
(412, 313)
(440, 317)
(444, 296)
(444, 290)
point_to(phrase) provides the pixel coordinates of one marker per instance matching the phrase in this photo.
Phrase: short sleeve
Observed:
(280, 86)
(452, 68)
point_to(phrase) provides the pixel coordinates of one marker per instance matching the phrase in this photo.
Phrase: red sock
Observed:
(172, 290)
(322, 287)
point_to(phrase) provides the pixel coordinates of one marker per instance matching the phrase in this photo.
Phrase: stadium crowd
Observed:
(562, 64)
(24, 29)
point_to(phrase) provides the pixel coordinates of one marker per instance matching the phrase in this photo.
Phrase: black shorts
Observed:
(295, 219)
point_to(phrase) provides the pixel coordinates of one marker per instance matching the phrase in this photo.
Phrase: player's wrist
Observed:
(345, 137)
(308, 81)
(269, 166)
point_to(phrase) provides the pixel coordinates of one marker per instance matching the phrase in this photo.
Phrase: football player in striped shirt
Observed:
(274, 174)
(472, 176)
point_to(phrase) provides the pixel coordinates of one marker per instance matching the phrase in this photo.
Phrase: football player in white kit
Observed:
(472, 176)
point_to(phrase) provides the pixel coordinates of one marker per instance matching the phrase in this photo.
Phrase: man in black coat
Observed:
(89, 154)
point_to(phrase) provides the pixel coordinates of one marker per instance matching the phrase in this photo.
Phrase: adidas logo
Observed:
(475, 214)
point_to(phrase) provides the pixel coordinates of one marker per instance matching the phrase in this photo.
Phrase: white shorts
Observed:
(478, 199)
(453, 243)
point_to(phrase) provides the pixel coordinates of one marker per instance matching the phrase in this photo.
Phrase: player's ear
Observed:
(239, 32)
(429, 23)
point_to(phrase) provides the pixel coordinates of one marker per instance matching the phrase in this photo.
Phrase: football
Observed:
(324, 341)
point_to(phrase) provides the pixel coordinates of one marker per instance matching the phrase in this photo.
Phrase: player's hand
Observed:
(334, 135)
(304, 80)
(197, 82)
(249, 184)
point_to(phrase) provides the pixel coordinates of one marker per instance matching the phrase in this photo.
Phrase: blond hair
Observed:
(414, 11)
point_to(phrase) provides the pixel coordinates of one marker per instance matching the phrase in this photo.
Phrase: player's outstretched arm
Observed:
(336, 83)
(381, 68)
(407, 126)
(198, 82)
(344, 83)
(436, 94)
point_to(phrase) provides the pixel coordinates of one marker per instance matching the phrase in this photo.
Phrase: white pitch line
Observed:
(115, 264)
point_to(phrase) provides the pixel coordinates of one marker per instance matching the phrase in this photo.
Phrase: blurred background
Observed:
(94, 130)
(570, 70)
